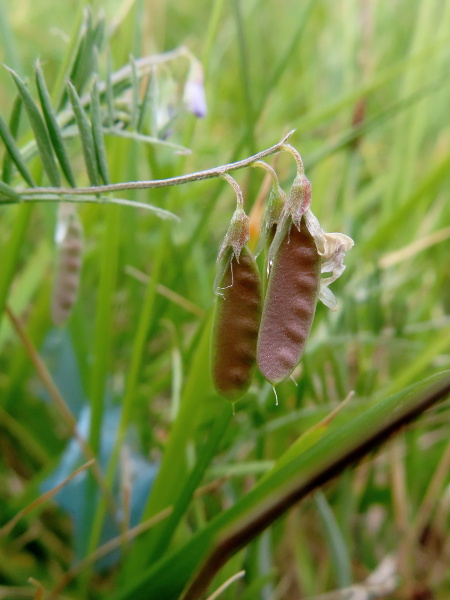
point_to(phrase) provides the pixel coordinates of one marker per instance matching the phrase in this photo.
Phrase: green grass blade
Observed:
(14, 152)
(83, 63)
(99, 33)
(173, 471)
(14, 123)
(87, 140)
(109, 91)
(231, 530)
(338, 549)
(146, 102)
(139, 137)
(134, 109)
(40, 132)
(59, 91)
(162, 536)
(12, 252)
(53, 127)
(425, 188)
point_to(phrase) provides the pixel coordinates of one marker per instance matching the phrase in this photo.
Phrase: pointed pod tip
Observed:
(288, 136)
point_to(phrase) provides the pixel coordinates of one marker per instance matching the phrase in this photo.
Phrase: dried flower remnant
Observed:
(69, 242)
(194, 92)
(332, 248)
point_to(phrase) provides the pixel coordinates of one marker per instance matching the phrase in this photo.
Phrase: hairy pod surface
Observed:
(236, 322)
(290, 304)
(68, 271)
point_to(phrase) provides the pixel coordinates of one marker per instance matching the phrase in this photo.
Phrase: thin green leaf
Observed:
(9, 192)
(173, 472)
(53, 127)
(97, 134)
(40, 132)
(145, 102)
(14, 123)
(14, 153)
(132, 135)
(153, 94)
(87, 140)
(11, 252)
(134, 111)
(162, 536)
(109, 91)
(99, 33)
(59, 92)
(338, 549)
(83, 64)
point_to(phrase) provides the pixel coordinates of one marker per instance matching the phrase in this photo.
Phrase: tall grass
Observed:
(190, 493)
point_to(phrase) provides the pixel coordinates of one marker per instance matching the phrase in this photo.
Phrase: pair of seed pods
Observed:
(272, 331)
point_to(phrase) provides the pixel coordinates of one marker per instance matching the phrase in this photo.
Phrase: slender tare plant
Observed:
(173, 492)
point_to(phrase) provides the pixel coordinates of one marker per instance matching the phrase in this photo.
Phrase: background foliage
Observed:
(366, 86)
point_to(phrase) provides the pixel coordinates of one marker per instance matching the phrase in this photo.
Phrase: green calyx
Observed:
(237, 235)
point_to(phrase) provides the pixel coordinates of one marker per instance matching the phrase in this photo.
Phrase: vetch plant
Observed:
(221, 481)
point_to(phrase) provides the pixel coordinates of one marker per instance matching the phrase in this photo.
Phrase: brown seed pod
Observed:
(70, 245)
(290, 304)
(236, 321)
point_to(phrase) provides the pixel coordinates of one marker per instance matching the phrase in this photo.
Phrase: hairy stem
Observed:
(159, 183)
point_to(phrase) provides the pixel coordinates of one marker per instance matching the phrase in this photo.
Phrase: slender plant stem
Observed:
(234, 184)
(296, 155)
(9, 526)
(159, 183)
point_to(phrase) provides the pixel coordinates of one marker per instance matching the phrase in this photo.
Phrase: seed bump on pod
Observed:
(236, 322)
(290, 304)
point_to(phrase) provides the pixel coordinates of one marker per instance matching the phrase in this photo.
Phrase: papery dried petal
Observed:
(194, 92)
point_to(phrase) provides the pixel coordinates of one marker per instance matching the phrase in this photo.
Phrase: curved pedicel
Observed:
(290, 304)
(236, 323)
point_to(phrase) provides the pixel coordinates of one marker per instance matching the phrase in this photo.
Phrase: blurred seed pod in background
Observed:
(69, 244)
